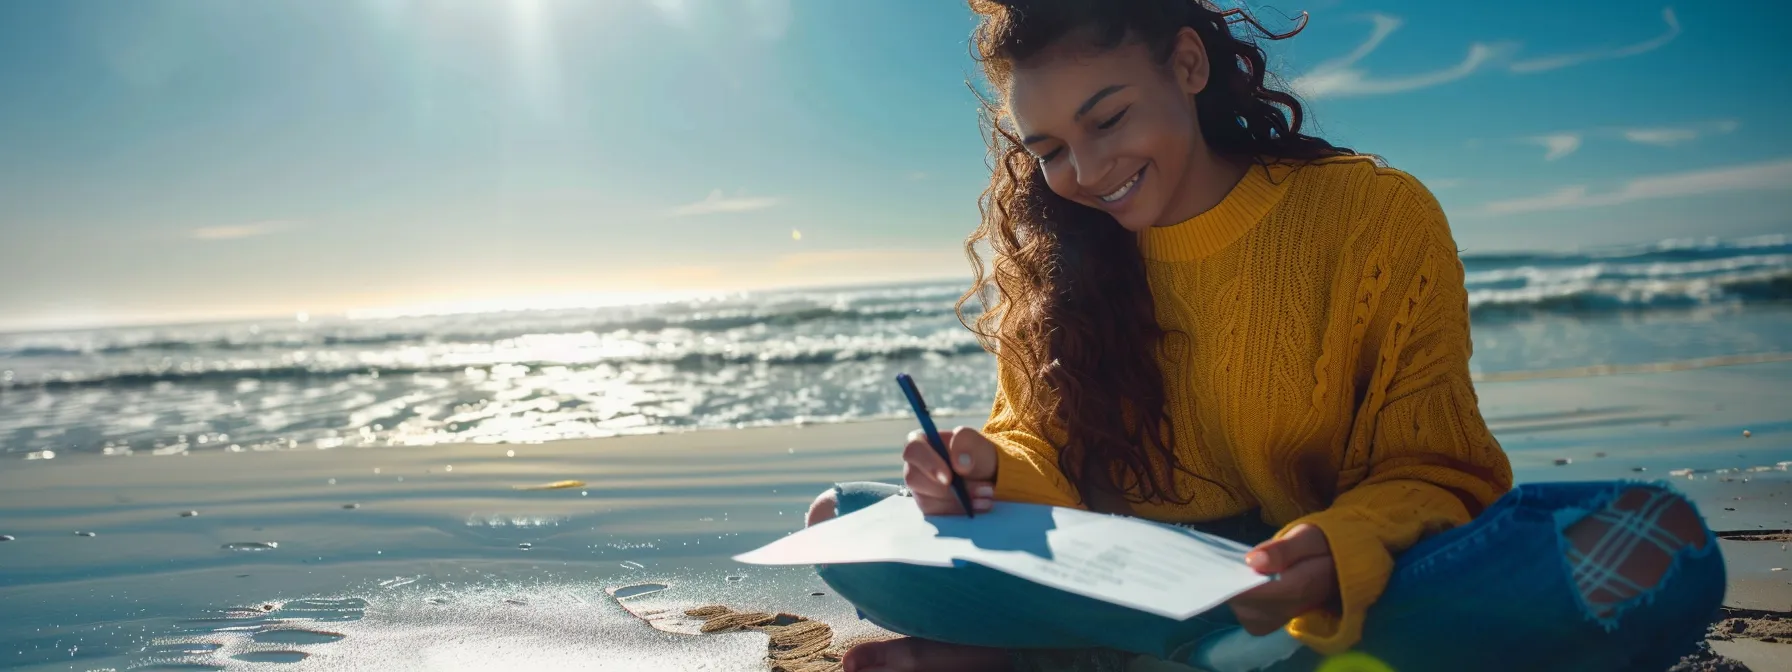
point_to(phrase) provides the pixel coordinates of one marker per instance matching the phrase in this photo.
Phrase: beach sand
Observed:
(440, 557)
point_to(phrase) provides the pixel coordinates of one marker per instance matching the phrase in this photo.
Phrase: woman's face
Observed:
(1113, 130)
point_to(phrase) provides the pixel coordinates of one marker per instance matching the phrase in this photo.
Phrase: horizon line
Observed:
(416, 310)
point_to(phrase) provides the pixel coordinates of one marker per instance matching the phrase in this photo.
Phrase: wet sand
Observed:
(443, 558)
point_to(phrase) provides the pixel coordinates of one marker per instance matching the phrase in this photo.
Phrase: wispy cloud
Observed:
(1340, 77)
(717, 203)
(236, 231)
(1565, 60)
(1674, 135)
(1763, 176)
(1562, 143)
(1556, 145)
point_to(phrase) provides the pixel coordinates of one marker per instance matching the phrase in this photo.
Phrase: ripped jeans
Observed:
(1507, 591)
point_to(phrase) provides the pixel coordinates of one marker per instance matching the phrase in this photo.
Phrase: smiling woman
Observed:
(1204, 316)
(1147, 117)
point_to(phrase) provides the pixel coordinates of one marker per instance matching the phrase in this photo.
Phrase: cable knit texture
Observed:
(1317, 367)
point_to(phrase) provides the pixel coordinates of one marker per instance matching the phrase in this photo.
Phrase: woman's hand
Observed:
(1308, 580)
(973, 457)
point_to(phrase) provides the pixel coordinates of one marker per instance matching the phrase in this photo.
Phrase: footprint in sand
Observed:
(795, 643)
(626, 592)
(267, 633)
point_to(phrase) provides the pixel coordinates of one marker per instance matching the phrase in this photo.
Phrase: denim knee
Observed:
(855, 495)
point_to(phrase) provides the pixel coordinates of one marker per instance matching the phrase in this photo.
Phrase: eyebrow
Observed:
(1080, 111)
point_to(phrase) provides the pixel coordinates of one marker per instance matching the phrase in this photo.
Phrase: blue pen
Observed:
(933, 437)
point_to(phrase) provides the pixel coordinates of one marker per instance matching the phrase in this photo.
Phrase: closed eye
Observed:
(1113, 119)
(1051, 155)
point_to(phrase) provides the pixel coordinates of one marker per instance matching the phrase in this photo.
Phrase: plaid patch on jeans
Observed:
(1599, 570)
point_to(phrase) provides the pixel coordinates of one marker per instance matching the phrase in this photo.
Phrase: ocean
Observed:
(762, 358)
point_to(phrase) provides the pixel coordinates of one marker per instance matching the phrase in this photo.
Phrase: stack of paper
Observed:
(1156, 568)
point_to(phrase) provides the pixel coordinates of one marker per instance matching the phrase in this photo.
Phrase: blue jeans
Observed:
(1495, 594)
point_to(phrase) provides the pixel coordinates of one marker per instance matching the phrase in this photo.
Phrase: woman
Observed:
(1204, 316)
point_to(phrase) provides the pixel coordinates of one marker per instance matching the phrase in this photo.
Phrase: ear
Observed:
(1188, 61)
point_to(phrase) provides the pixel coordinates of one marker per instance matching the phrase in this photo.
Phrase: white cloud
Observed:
(1673, 135)
(236, 231)
(1763, 176)
(1557, 145)
(1564, 60)
(1660, 136)
(1385, 25)
(1563, 143)
(1339, 78)
(716, 203)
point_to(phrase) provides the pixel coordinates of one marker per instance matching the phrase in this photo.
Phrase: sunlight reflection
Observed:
(702, 361)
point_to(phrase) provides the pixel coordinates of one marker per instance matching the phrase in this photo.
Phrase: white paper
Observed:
(1160, 569)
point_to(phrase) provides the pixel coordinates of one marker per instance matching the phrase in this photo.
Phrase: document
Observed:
(1160, 569)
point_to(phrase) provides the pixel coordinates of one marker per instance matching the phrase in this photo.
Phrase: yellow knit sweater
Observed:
(1325, 380)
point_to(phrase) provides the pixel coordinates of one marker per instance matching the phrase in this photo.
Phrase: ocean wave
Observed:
(1669, 250)
(1667, 275)
(1596, 294)
(231, 374)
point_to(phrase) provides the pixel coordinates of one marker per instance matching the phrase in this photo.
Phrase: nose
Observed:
(1092, 166)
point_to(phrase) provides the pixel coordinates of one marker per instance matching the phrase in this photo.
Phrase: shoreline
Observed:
(976, 419)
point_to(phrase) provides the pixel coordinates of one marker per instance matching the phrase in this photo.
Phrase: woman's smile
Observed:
(1115, 199)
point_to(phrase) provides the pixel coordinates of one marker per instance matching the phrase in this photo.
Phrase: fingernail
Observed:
(964, 460)
(982, 504)
(1256, 560)
(945, 478)
(985, 491)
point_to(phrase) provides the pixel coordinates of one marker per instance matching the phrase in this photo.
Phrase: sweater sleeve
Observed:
(1432, 462)
(1026, 462)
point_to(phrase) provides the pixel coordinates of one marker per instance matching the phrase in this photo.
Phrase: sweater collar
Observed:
(1223, 224)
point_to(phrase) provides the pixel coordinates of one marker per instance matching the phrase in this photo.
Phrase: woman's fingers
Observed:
(1277, 555)
(1301, 588)
(983, 494)
(924, 471)
(930, 479)
(973, 454)
(940, 500)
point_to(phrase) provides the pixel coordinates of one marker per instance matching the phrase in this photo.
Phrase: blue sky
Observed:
(190, 159)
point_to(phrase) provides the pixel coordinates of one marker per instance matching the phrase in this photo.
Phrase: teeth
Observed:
(1122, 191)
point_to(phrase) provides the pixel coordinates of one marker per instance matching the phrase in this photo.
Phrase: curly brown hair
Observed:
(1072, 309)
